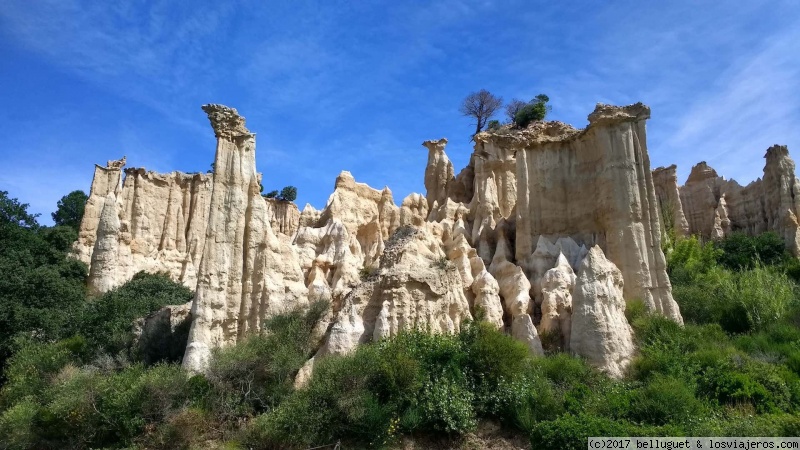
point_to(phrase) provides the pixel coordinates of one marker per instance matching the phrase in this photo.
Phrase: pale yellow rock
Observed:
(284, 217)
(600, 332)
(594, 186)
(413, 210)
(438, 172)
(415, 287)
(716, 207)
(557, 286)
(106, 180)
(522, 329)
(103, 270)
(665, 182)
(368, 214)
(246, 273)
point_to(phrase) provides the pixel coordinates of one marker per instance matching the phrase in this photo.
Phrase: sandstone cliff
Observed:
(715, 207)
(503, 239)
(246, 272)
(591, 186)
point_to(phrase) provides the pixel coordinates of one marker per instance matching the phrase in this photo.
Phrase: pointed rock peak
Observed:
(226, 122)
(345, 178)
(596, 263)
(308, 208)
(562, 263)
(544, 246)
(701, 171)
(607, 114)
(435, 145)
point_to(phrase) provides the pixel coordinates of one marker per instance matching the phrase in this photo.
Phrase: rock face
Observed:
(600, 333)
(665, 182)
(246, 272)
(284, 217)
(502, 240)
(415, 286)
(715, 207)
(593, 186)
(438, 172)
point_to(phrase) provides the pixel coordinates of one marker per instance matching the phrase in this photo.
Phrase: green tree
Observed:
(513, 107)
(70, 209)
(288, 194)
(41, 289)
(534, 111)
(271, 194)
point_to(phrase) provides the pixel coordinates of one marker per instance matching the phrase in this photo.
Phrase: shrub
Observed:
(31, 369)
(17, 425)
(493, 125)
(664, 400)
(740, 251)
(534, 111)
(108, 320)
(257, 373)
(571, 431)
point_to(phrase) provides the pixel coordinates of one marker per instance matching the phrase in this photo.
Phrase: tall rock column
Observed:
(782, 196)
(217, 302)
(438, 172)
(665, 182)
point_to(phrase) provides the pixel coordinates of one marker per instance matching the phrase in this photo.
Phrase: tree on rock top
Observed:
(288, 194)
(534, 111)
(481, 105)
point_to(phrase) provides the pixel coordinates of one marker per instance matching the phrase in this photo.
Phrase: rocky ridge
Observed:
(550, 229)
(715, 207)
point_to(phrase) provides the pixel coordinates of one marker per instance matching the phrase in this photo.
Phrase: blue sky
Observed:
(334, 85)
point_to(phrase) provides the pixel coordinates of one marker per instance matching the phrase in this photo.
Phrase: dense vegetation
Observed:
(72, 379)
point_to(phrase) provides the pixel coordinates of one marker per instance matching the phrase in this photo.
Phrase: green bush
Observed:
(41, 289)
(571, 431)
(17, 425)
(107, 321)
(740, 251)
(664, 400)
(257, 373)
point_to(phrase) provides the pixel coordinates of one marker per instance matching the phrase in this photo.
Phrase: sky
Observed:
(345, 85)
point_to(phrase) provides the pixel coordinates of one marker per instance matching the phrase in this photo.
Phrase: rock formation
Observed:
(503, 239)
(715, 207)
(600, 333)
(557, 286)
(438, 172)
(246, 273)
(593, 186)
(665, 182)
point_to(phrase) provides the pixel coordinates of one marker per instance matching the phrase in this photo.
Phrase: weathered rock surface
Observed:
(716, 207)
(665, 182)
(600, 332)
(284, 217)
(506, 237)
(415, 287)
(438, 172)
(557, 286)
(593, 186)
(246, 273)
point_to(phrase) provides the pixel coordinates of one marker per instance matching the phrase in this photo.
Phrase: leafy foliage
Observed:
(107, 321)
(70, 210)
(533, 111)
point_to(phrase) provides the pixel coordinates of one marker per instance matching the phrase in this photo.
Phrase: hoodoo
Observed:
(508, 239)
